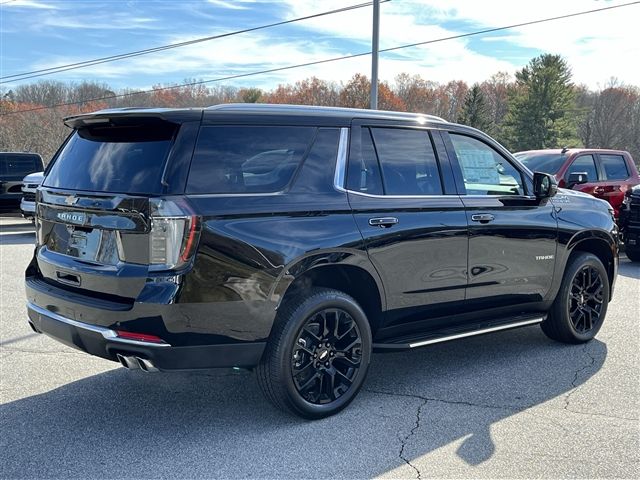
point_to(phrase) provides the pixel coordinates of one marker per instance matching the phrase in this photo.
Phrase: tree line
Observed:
(539, 107)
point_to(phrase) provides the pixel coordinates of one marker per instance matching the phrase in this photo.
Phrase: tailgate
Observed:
(98, 243)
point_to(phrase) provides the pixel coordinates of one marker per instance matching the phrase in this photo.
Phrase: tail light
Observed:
(174, 235)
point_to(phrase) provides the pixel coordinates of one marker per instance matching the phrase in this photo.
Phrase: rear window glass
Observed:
(542, 162)
(615, 168)
(127, 159)
(247, 159)
(20, 165)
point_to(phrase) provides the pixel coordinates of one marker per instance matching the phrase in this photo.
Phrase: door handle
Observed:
(383, 222)
(482, 217)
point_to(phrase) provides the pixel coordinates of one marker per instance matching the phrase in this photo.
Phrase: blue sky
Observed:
(39, 34)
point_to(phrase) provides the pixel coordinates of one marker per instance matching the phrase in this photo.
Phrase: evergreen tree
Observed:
(474, 111)
(540, 105)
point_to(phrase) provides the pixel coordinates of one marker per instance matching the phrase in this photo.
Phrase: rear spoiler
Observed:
(123, 116)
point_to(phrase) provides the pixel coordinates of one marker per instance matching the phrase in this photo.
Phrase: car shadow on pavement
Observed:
(630, 269)
(217, 424)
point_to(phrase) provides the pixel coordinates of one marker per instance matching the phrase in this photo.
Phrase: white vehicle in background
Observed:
(29, 185)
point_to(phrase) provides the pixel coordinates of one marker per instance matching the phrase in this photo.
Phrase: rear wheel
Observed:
(318, 354)
(581, 304)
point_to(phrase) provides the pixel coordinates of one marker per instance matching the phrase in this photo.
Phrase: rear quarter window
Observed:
(247, 159)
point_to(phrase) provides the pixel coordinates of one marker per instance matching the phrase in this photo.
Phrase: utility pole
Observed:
(375, 37)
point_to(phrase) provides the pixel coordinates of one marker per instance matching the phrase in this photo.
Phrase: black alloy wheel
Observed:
(327, 356)
(317, 355)
(586, 299)
(581, 303)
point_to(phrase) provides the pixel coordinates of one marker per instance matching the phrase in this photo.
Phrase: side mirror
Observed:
(544, 185)
(577, 178)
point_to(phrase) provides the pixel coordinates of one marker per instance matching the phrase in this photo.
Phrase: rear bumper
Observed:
(104, 342)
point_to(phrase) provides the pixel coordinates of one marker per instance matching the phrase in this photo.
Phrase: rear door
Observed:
(403, 197)
(615, 179)
(512, 235)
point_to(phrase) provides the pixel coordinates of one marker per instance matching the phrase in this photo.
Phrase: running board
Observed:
(446, 337)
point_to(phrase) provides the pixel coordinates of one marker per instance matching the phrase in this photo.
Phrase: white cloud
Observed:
(30, 4)
(597, 46)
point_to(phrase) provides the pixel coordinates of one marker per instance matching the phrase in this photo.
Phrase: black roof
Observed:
(327, 115)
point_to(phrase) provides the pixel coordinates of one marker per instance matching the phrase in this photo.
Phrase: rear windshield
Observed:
(127, 159)
(20, 165)
(542, 162)
(247, 159)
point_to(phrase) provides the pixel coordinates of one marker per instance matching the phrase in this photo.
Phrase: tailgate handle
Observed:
(68, 278)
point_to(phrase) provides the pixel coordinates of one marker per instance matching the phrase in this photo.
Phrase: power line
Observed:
(318, 62)
(122, 56)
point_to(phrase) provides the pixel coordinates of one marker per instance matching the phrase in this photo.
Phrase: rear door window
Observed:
(247, 159)
(408, 161)
(119, 159)
(364, 171)
(615, 168)
(582, 164)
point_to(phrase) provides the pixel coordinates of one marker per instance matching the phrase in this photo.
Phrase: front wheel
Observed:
(581, 304)
(318, 354)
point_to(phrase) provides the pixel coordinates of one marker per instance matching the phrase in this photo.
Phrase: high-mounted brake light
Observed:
(174, 234)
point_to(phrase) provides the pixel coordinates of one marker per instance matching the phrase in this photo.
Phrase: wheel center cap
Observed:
(323, 355)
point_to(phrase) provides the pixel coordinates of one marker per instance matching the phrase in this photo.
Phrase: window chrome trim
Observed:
(373, 195)
(107, 333)
(341, 161)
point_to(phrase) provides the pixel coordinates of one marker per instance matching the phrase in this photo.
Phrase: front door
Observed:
(512, 235)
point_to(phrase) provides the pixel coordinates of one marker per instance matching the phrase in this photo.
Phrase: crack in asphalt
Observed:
(425, 400)
(577, 374)
(405, 440)
(451, 402)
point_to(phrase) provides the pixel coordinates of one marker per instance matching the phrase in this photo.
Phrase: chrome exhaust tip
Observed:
(146, 365)
(127, 362)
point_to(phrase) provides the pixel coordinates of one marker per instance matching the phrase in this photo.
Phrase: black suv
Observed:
(14, 166)
(296, 240)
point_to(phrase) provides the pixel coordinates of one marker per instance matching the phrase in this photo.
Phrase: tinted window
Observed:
(247, 159)
(114, 159)
(408, 162)
(485, 171)
(542, 162)
(364, 171)
(19, 165)
(582, 164)
(615, 168)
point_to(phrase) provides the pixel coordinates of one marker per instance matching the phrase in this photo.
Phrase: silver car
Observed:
(28, 202)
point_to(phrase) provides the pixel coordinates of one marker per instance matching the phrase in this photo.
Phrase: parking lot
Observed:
(512, 404)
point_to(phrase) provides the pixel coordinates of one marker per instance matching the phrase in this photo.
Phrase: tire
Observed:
(633, 254)
(289, 374)
(580, 307)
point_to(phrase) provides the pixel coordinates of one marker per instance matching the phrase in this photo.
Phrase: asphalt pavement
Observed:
(508, 405)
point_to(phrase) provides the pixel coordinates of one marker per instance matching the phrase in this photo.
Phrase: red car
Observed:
(609, 173)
